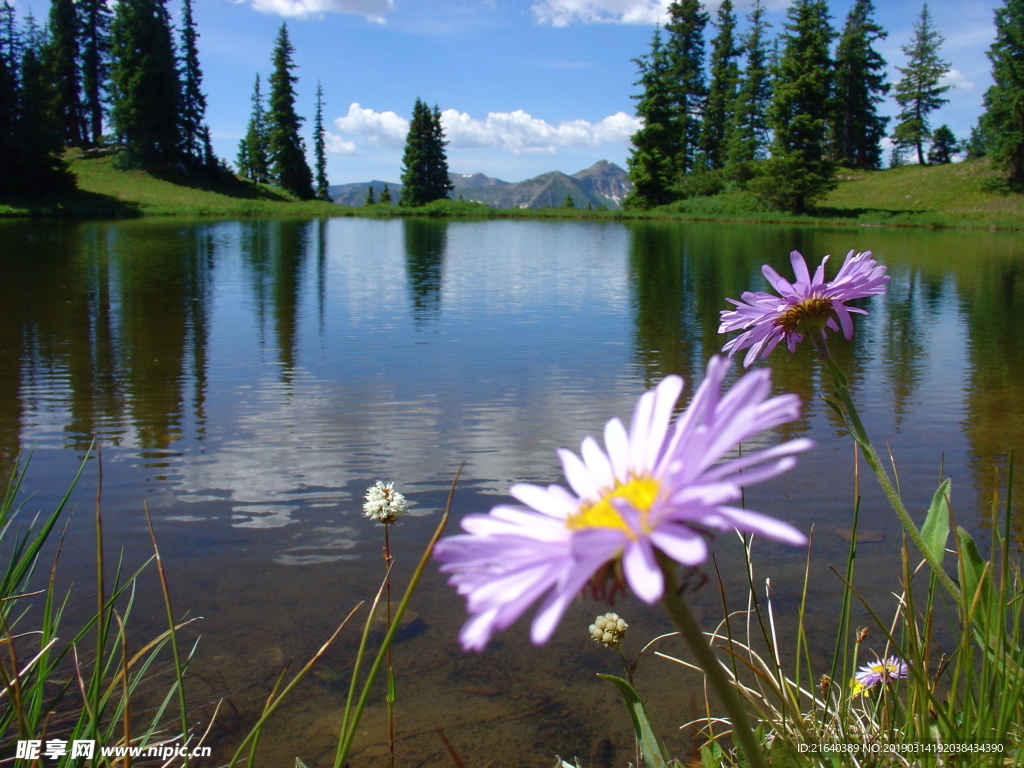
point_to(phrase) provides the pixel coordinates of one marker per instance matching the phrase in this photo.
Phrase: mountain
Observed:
(602, 184)
(355, 194)
(606, 181)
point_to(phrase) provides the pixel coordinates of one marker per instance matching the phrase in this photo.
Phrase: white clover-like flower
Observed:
(384, 504)
(609, 630)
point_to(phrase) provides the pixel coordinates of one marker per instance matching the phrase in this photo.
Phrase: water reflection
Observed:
(252, 378)
(425, 243)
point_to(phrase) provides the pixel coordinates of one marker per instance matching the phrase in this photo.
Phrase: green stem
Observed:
(391, 674)
(679, 612)
(857, 431)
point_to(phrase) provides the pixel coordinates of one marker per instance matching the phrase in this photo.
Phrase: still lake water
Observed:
(248, 381)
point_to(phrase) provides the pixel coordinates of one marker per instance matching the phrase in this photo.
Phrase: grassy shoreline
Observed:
(968, 195)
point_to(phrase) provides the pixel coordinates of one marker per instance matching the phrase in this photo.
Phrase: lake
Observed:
(247, 380)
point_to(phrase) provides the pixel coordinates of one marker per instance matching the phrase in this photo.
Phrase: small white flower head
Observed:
(608, 630)
(384, 504)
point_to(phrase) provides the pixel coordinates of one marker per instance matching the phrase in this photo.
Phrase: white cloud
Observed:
(516, 132)
(519, 132)
(335, 145)
(560, 13)
(957, 81)
(382, 128)
(303, 9)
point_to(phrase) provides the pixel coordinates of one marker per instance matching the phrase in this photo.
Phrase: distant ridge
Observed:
(602, 184)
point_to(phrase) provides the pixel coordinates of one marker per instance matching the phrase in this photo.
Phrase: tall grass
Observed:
(60, 682)
(961, 702)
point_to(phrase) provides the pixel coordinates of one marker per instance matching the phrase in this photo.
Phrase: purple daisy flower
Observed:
(801, 308)
(881, 671)
(656, 487)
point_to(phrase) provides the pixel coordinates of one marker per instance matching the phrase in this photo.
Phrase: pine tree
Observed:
(568, 202)
(254, 150)
(860, 86)
(440, 183)
(8, 98)
(748, 140)
(287, 150)
(716, 128)
(193, 102)
(144, 82)
(652, 161)
(319, 147)
(918, 93)
(38, 140)
(424, 163)
(798, 171)
(60, 55)
(385, 195)
(370, 199)
(95, 51)
(944, 146)
(1002, 125)
(684, 49)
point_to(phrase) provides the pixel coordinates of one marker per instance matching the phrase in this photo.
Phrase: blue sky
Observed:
(526, 86)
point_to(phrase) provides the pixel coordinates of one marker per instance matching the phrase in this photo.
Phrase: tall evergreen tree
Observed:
(652, 160)
(424, 163)
(61, 59)
(320, 148)
(42, 127)
(1003, 122)
(254, 149)
(287, 150)
(798, 171)
(9, 69)
(385, 195)
(95, 51)
(716, 127)
(918, 92)
(193, 102)
(684, 50)
(748, 140)
(144, 82)
(860, 86)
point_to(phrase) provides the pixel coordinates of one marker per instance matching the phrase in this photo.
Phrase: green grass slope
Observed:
(965, 193)
(105, 191)
(968, 194)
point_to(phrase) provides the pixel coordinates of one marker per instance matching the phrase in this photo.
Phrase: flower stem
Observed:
(679, 612)
(860, 435)
(391, 674)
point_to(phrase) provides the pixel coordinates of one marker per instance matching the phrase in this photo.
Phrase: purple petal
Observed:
(642, 571)
(578, 476)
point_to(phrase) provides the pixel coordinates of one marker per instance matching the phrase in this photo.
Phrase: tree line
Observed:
(804, 104)
(90, 65)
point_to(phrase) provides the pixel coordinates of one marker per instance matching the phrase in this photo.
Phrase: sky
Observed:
(524, 86)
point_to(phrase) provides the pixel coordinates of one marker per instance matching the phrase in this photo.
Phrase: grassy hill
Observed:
(960, 194)
(105, 191)
(968, 192)
(955, 195)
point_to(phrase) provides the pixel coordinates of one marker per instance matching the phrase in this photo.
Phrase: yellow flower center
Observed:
(639, 492)
(807, 317)
(883, 669)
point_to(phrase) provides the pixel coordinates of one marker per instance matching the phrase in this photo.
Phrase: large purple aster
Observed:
(656, 487)
(801, 308)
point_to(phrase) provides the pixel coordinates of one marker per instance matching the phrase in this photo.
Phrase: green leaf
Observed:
(391, 686)
(935, 530)
(972, 565)
(649, 746)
